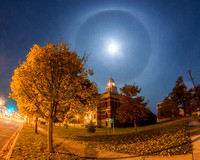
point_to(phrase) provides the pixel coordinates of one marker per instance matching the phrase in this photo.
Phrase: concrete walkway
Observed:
(195, 137)
(85, 151)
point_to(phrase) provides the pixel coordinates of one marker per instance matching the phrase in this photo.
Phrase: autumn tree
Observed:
(180, 95)
(52, 81)
(169, 108)
(72, 116)
(132, 107)
(25, 109)
(193, 96)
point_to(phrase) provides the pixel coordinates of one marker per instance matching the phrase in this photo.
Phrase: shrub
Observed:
(42, 122)
(91, 127)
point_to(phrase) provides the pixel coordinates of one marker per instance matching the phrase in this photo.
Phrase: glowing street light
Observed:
(77, 118)
(9, 111)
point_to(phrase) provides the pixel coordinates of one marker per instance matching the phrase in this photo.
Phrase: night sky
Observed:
(148, 42)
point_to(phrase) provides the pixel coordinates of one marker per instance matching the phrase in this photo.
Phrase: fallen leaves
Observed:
(173, 139)
(34, 146)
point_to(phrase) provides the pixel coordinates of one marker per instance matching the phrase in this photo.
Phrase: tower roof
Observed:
(111, 86)
(110, 81)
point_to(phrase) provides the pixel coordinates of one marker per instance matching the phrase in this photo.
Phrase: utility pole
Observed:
(189, 71)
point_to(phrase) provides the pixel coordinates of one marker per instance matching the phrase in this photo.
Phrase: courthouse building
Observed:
(109, 102)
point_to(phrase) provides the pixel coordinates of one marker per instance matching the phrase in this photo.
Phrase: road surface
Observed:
(7, 129)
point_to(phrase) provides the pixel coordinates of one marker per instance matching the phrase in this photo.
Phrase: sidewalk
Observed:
(84, 151)
(195, 137)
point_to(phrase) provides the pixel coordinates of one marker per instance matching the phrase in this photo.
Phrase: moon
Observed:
(113, 49)
(118, 42)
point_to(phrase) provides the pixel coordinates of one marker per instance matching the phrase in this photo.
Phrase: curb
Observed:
(6, 146)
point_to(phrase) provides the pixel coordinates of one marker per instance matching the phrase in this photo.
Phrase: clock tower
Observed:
(111, 86)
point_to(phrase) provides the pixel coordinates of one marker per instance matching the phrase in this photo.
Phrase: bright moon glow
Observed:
(113, 48)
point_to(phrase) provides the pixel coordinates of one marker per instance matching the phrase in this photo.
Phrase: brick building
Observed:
(106, 109)
(160, 117)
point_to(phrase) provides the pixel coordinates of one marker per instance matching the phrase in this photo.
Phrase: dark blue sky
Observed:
(156, 41)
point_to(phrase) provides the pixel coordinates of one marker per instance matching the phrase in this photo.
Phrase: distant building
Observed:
(160, 116)
(109, 102)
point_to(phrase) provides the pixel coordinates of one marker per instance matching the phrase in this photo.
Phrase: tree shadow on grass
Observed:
(132, 156)
(195, 131)
(90, 153)
(196, 139)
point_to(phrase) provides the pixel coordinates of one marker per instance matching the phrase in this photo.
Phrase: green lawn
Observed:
(166, 138)
(34, 146)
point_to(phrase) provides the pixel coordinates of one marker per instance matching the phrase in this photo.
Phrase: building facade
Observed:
(109, 102)
(160, 117)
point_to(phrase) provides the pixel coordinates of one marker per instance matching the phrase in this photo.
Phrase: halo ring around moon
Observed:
(137, 65)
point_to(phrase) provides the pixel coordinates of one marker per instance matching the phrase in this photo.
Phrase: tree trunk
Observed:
(26, 120)
(50, 136)
(36, 120)
(135, 125)
(184, 110)
(30, 120)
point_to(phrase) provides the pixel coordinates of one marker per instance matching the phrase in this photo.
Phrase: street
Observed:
(7, 129)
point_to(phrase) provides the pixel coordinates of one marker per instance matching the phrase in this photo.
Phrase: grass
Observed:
(197, 118)
(73, 132)
(34, 146)
(172, 139)
(164, 139)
